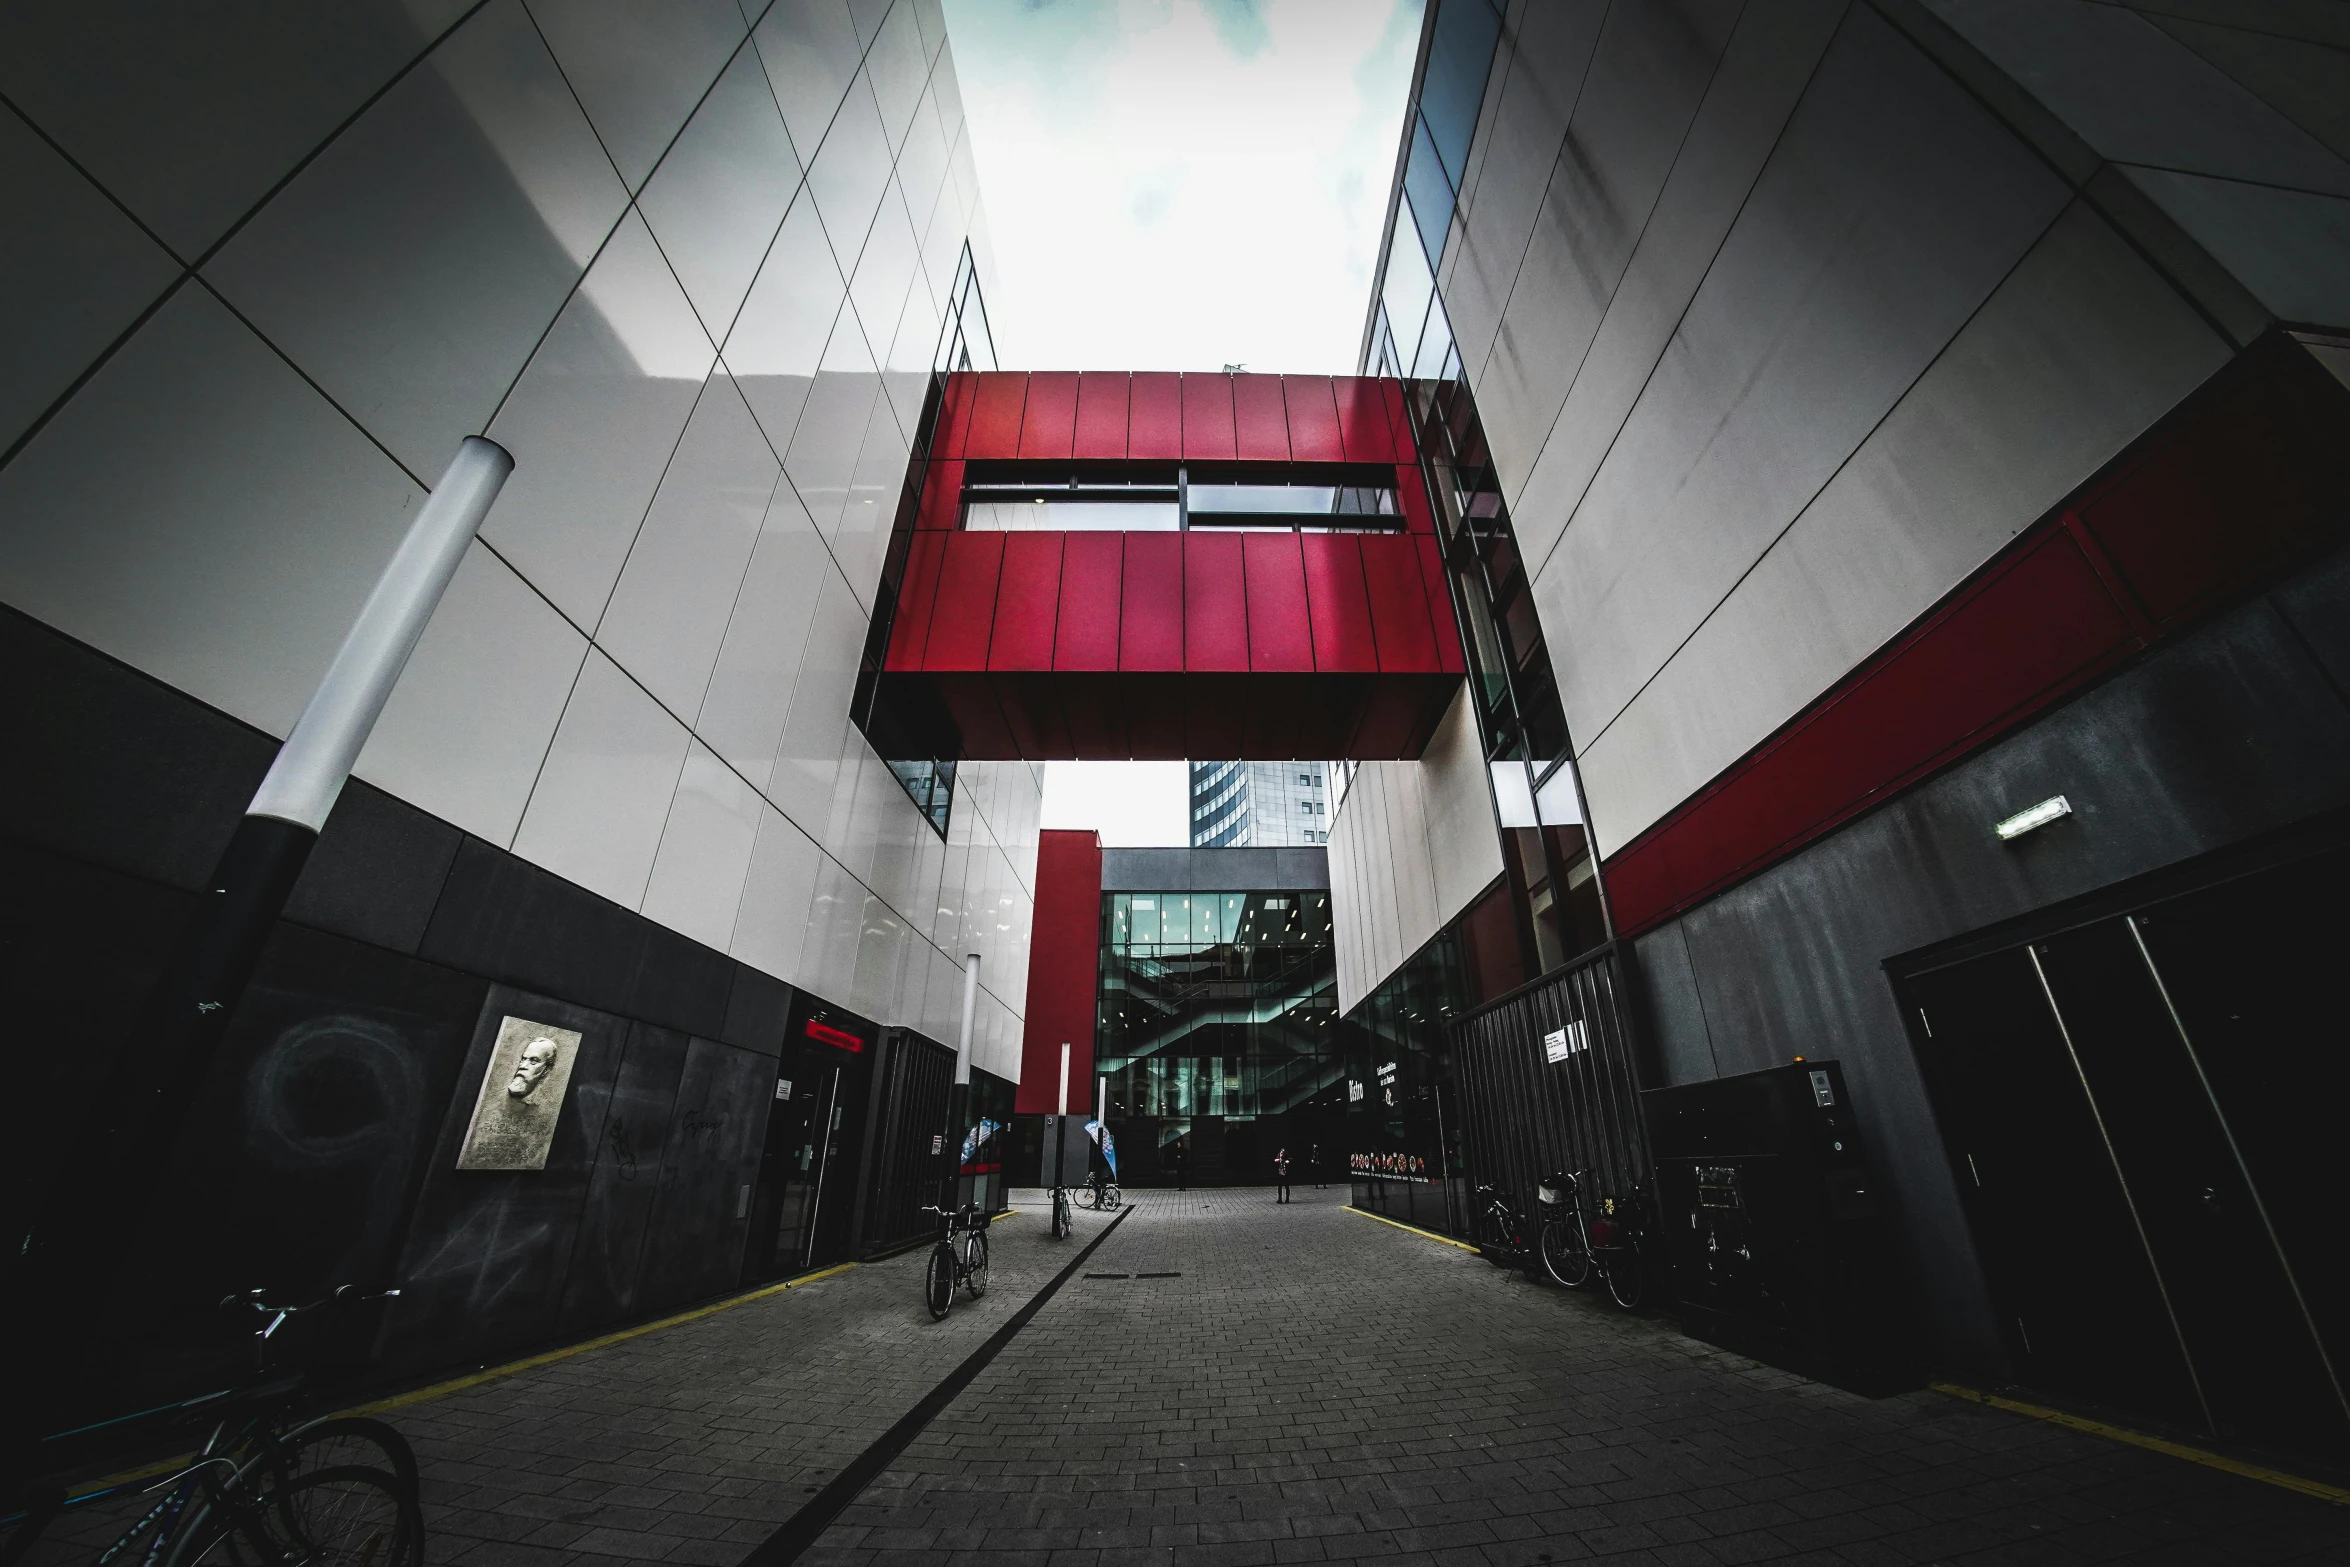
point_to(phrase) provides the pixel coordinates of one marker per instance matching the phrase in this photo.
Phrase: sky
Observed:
(1179, 185)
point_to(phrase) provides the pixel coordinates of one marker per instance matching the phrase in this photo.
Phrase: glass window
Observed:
(1430, 193)
(1146, 919)
(1406, 291)
(1452, 91)
(1058, 516)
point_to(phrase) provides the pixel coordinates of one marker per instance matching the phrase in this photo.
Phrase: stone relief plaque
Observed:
(521, 1097)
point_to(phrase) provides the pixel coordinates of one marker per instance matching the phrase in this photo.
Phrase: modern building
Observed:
(1890, 460)
(1823, 607)
(1265, 805)
(268, 267)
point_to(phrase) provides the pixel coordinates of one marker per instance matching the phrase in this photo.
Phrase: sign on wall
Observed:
(521, 1097)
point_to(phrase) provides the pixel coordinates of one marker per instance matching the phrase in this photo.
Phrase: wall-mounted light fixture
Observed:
(2040, 815)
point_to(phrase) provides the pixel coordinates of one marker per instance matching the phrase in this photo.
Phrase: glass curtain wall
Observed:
(964, 343)
(1216, 1033)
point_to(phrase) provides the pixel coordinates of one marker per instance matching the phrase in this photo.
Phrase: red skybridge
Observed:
(1108, 565)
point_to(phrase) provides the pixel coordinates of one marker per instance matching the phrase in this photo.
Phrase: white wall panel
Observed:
(639, 70)
(2138, 95)
(922, 163)
(749, 698)
(1771, 56)
(1890, 210)
(836, 919)
(2079, 350)
(593, 421)
(2290, 248)
(874, 489)
(778, 339)
(849, 171)
(1647, 77)
(810, 51)
(898, 68)
(1464, 841)
(602, 798)
(199, 513)
(413, 266)
(194, 112)
(65, 298)
(885, 270)
(771, 920)
(822, 458)
(705, 851)
(468, 726)
(717, 198)
(669, 611)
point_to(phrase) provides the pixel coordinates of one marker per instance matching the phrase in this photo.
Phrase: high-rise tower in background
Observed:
(1237, 805)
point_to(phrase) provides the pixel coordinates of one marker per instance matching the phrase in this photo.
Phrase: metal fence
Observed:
(1549, 1080)
(913, 1078)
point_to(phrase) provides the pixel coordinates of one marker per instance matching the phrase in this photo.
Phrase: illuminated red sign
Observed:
(826, 1034)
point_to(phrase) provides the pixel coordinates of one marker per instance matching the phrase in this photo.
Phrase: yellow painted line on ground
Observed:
(2153, 1444)
(498, 1373)
(1412, 1229)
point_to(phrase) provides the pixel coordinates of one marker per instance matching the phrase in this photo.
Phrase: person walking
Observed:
(1314, 1164)
(1281, 1174)
(1177, 1157)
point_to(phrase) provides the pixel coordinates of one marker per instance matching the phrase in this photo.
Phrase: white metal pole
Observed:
(310, 767)
(1061, 1121)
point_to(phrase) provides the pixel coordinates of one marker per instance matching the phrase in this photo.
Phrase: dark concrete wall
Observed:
(2237, 729)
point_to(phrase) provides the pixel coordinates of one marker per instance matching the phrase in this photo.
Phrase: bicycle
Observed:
(1573, 1248)
(1501, 1230)
(1063, 1220)
(958, 1259)
(1102, 1194)
(263, 1489)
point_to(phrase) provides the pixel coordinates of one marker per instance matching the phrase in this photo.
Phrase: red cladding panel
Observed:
(1064, 951)
(1215, 603)
(1338, 604)
(1313, 419)
(1207, 418)
(1150, 612)
(1391, 394)
(942, 497)
(1411, 493)
(1101, 416)
(909, 629)
(965, 614)
(1362, 420)
(1086, 632)
(995, 415)
(1399, 605)
(1027, 599)
(1260, 421)
(954, 415)
(1449, 657)
(1049, 421)
(2038, 625)
(1280, 636)
(1154, 420)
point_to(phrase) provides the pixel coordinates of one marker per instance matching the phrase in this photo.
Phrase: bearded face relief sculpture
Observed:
(532, 1066)
(521, 1098)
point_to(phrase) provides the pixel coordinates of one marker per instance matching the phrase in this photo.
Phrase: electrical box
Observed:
(1770, 1217)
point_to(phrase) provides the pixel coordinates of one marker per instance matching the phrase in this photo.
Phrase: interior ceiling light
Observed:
(2032, 817)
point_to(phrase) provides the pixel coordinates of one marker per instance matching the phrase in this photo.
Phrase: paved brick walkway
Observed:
(1314, 1386)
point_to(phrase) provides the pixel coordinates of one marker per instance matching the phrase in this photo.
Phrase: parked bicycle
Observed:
(1063, 1220)
(1503, 1236)
(958, 1260)
(1102, 1194)
(265, 1489)
(1574, 1245)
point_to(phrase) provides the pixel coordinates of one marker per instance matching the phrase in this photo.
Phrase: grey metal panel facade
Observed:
(1215, 870)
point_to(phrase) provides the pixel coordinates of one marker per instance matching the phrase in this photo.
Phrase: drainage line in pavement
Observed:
(803, 1527)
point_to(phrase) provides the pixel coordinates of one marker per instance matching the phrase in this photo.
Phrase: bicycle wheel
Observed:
(1062, 1222)
(342, 1516)
(1493, 1238)
(1112, 1197)
(1627, 1275)
(1564, 1256)
(346, 1441)
(975, 1265)
(938, 1281)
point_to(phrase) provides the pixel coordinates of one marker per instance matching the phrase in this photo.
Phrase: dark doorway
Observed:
(802, 1213)
(2143, 1113)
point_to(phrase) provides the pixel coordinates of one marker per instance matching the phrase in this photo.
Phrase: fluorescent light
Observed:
(2040, 815)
